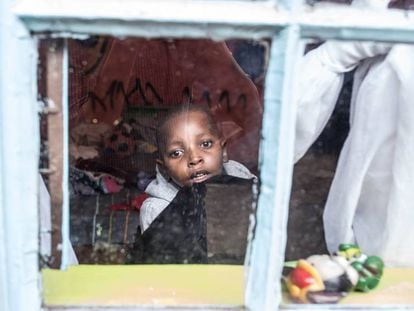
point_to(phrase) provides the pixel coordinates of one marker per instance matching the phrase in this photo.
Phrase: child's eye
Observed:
(175, 153)
(207, 143)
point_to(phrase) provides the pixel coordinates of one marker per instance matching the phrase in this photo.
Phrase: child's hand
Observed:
(343, 56)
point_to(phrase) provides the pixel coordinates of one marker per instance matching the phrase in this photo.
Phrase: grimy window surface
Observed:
(338, 167)
(145, 100)
(126, 204)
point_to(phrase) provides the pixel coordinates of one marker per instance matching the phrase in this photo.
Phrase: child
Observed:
(191, 150)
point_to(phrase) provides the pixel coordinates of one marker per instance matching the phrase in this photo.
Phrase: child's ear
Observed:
(224, 150)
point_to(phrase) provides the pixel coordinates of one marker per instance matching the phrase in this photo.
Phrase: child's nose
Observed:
(194, 159)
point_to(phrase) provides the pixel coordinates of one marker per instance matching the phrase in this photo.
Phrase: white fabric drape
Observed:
(371, 199)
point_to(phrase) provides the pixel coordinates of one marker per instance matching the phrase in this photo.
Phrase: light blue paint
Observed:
(352, 33)
(19, 161)
(19, 149)
(290, 5)
(153, 29)
(4, 301)
(276, 162)
(65, 169)
(218, 27)
(196, 19)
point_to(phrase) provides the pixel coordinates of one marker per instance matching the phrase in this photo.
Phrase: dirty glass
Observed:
(179, 193)
(350, 177)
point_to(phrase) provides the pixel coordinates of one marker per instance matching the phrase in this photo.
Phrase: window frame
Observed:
(285, 22)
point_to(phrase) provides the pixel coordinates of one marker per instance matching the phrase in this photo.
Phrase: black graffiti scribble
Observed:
(206, 96)
(224, 96)
(92, 43)
(142, 93)
(116, 88)
(186, 96)
(101, 55)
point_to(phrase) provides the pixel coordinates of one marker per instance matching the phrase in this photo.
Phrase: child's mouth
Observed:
(200, 176)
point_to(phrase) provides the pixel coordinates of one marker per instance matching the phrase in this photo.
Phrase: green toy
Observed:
(369, 268)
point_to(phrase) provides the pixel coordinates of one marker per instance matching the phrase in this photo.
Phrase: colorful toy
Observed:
(369, 268)
(326, 279)
(303, 279)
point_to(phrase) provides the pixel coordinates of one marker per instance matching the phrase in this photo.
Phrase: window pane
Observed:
(126, 183)
(350, 180)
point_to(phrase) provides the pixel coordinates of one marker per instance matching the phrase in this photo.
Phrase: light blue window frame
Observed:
(285, 22)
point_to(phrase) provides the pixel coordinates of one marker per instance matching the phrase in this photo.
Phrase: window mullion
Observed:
(65, 157)
(276, 164)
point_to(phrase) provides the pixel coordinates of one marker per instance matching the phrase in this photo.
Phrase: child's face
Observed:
(193, 153)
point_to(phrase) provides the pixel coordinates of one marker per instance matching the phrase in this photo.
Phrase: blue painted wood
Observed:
(19, 149)
(65, 169)
(72, 26)
(4, 301)
(151, 19)
(18, 154)
(353, 33)
(263, 19)
(153, 29)
(276, 162)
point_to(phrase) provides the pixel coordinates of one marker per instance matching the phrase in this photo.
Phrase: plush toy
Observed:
(369, 268)
(326, 279)
(321, 279)
(303, 279)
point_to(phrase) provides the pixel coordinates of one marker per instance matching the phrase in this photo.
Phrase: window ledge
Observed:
(219, 287)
